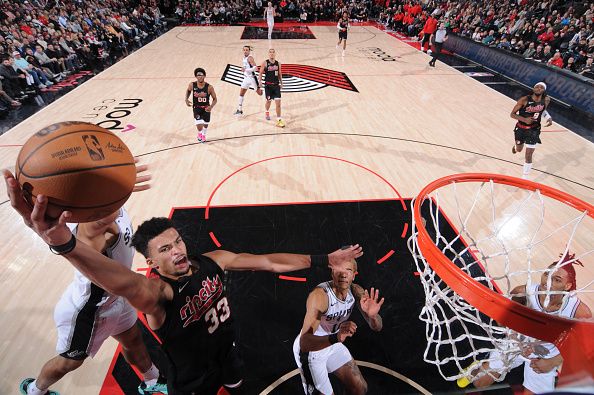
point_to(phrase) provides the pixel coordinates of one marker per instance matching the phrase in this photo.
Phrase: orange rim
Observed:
(573, 338)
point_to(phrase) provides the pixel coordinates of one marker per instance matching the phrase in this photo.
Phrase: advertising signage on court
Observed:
(112, 113)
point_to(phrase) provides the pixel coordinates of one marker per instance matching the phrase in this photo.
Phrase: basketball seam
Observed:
(22, 165)
(67, 207)
(75, 170)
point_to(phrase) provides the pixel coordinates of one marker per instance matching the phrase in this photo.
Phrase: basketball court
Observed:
(365, 132)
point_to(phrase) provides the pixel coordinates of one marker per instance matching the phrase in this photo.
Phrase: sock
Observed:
(151, 375)
(526, 170)
(240, 102)
(33, 390)
(279, 118)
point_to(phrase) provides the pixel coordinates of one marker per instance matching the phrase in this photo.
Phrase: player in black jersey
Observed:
(186, 304)
(273, 83)
(201, 92)
(528, 111)
(343, 29)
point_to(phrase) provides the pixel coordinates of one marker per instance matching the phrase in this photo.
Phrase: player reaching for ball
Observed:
(199, 342)
(87, 315)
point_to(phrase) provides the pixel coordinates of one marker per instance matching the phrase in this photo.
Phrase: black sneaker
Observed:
(238, 112)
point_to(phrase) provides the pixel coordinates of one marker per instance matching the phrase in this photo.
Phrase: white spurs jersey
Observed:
(270, 13)
(567, 310)
(121, 251)
(338, 311)
(246, 66)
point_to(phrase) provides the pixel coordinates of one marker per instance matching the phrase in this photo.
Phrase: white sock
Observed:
(526, 170)
(33, 390)
(240, 102)
(151, 375)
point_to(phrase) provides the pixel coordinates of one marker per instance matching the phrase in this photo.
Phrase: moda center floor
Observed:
(363, 136)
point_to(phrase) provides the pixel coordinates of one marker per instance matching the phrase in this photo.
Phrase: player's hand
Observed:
(52, 231)
(339, 259)
(141, 179)
(346, 329)
(188, 103)
(370, 302)
(259, 92)
(542, 365)
(548, 122)
(207, 108)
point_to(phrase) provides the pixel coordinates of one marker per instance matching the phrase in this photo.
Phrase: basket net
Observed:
(501, 236)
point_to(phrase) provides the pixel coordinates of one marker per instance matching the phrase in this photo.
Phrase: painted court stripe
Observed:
(389, 254)
(289, 278)
(403, 235)
(214, 239)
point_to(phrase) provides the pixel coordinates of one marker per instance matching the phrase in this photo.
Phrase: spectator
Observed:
(556, 60)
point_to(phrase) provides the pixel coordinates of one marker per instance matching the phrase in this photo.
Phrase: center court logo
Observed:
(298, 78)
(375, 53)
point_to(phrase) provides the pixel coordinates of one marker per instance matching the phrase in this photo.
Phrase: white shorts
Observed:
(249, 82)
(314, 366)
(83, 329)
(270, 23)
(535, 382)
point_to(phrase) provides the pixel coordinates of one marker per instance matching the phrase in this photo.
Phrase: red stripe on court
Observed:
(389, 254)
(214, 239)
(404, 230)
(289, 278)
(214, 191)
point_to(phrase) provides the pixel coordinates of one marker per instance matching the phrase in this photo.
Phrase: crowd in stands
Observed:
(556, 32)
(44, 41)
(236, 11)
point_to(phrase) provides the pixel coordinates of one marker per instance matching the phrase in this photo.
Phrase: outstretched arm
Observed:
(369, 306)
(142, 293)
(280, 263)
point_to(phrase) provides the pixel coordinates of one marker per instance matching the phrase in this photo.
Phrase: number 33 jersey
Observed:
(338, 311)
(198, 329)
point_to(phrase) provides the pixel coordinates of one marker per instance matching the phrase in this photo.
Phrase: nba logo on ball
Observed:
(80, 167)
(93, 147)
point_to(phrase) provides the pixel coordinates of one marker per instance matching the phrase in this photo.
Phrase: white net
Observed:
(504, 237)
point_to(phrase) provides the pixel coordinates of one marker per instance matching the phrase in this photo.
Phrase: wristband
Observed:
(64, 248)
(320, 261)
(333, 338)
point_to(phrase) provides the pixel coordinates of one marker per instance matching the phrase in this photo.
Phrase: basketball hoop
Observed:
(503, 232)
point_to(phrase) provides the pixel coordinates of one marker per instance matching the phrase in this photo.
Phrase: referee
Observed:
(438, 39)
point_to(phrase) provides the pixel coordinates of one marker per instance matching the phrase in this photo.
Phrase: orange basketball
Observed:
(80, 167)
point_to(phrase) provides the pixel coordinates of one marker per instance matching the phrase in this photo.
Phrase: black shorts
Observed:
(230, 372)
(342, 35)
(201, 115)
(272, 92)
(527, 136)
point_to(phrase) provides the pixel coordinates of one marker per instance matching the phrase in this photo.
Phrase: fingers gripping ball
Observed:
(80, 167)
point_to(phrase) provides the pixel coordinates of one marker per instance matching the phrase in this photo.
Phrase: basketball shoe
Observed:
(280, 123)
(201, 137)
(27, 382)
(157, 388)
(267, 116)
(238, 112)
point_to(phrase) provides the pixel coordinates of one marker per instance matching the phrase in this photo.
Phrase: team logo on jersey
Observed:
(298, 78)
(199, 303)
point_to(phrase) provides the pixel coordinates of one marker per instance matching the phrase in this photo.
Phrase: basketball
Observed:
(80, 167)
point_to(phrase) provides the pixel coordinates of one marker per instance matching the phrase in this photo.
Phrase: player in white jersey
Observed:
(318, 350)
(86, 315)
(269, 15)
(250, 80)
(541, 359)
